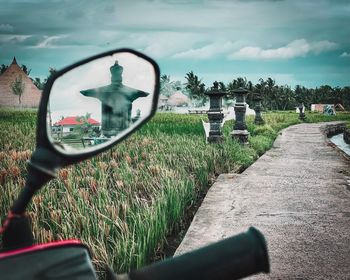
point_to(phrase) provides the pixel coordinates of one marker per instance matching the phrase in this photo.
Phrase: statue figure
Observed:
(302, 115)
(116, 100)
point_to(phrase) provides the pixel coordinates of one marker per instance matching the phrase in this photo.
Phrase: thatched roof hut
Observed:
(31, 94)
(178, 99)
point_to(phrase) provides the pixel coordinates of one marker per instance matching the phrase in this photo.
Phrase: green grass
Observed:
(124, 202)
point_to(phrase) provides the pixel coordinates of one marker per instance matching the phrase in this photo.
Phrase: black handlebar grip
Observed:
(233, 258)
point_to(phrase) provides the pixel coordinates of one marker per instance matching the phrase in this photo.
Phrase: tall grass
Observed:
(124, 202)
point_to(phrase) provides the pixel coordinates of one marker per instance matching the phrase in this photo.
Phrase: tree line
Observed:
(274, 97)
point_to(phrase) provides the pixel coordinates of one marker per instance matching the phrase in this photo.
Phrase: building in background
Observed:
(14, 76)
(320, 107)
(66, 126)
(178, 99)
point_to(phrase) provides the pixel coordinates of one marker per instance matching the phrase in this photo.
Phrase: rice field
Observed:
(124, 202)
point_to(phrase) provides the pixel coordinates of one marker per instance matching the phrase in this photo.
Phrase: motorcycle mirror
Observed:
(91, 105)
(85, 109)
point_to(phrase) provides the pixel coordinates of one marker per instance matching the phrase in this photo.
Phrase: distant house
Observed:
(178, 99)
(67, 125)
(317, 107)
(320, 107)
(31, 94)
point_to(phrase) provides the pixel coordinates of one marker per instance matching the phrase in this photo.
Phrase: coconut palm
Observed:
(195, 88)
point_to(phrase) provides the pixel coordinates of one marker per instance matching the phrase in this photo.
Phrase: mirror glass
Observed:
(99, 102)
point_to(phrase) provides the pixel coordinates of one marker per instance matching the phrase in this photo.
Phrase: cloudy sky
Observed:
(292, 41)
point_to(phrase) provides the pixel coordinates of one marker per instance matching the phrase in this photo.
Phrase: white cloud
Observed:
(13, 38)
(49, 41)
(296, 48)
(208, 51)
(5, 27)
(345, 54)
(161, 44)
(234, 50)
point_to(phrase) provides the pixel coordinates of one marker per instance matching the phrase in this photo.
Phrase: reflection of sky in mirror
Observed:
(66, 99)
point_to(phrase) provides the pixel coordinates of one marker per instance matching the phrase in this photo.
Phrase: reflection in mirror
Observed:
(100, 101)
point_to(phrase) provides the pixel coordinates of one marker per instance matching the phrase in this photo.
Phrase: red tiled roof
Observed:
(74, 121)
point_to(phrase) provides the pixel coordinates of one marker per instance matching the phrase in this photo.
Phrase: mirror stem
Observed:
(35, 180)
(41, 169)
(16, 231)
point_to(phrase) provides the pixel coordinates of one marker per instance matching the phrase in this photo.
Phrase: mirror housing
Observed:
(46, 159)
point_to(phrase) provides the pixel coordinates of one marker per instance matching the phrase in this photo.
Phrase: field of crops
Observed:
(124, 202)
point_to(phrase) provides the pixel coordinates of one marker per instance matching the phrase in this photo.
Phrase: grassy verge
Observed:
(124, 202)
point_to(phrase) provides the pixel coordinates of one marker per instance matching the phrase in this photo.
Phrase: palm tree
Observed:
(237, 83)
(167, 87)
(261, 88)
(196, 88)
(285, 98)
(300, 94)
(271, 91)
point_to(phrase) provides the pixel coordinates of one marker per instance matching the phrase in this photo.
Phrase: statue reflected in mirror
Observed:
(99, 101)
(116, 100)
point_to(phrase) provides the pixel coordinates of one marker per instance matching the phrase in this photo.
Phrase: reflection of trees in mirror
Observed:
(84, 128)
(116, 100)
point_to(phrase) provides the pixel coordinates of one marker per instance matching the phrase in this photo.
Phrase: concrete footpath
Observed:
(298, 195)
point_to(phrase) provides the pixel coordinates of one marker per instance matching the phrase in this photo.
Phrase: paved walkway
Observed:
(298, 195)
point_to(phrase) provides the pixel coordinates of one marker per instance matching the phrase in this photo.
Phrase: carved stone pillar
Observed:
(215, 114)
(240, 131)
(301, 112)
(257, 108)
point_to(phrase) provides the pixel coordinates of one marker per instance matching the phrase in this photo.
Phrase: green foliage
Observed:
(3, 68)
(125, 201)
(237, 83)
(25, 69)
(19, 126)
(264, 130)
(282, 97)
(261, 143)
(167, 87)
(196, 89)
(84, 128)
(38, 83)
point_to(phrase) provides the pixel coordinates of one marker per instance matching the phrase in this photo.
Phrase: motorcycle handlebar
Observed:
(233, 258)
